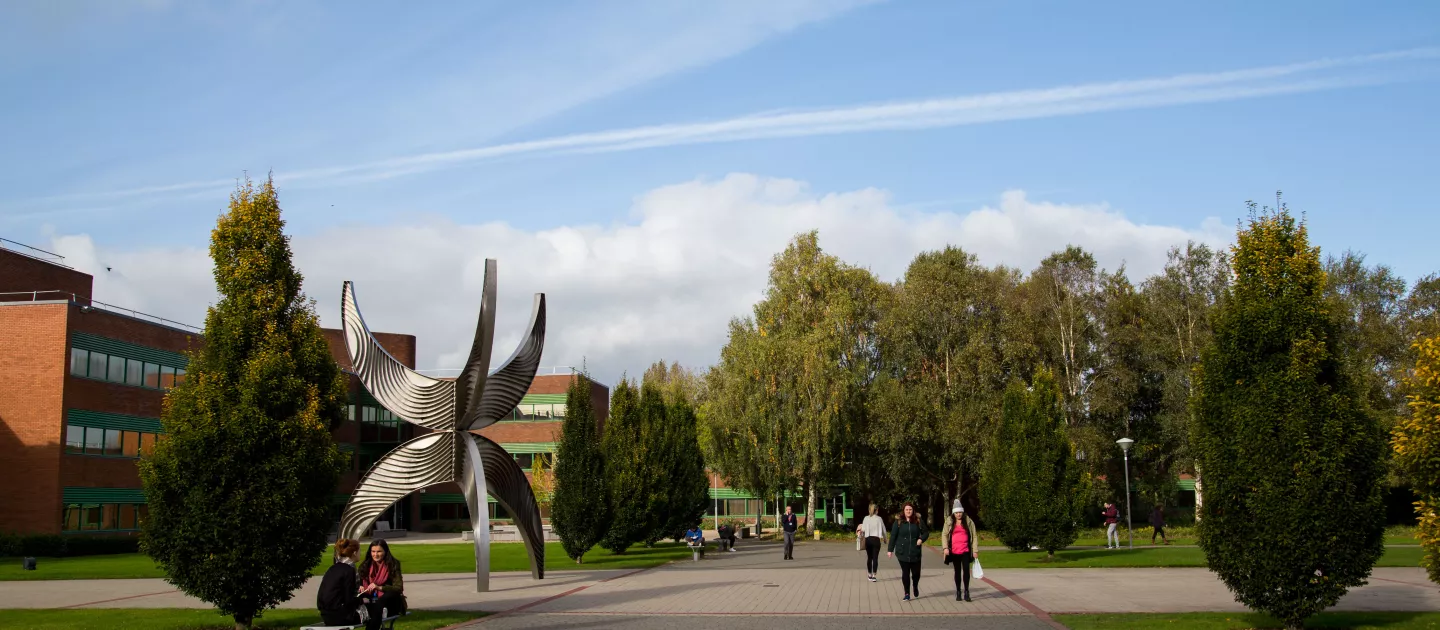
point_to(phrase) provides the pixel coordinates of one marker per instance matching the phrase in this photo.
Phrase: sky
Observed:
(641, 162)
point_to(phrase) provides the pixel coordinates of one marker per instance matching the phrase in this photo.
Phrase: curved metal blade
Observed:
(417, 398)
(506, 481)
(505, 388)
(470, 384)
(419, 463)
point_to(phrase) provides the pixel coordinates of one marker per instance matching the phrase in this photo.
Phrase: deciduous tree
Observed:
(1416, 441)
(239, 490)
(1292, 460)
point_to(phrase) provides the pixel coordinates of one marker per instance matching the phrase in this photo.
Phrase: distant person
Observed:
(726, 534)
(1157, 520)
(789, 524)
(872, 529)
(696, 538)
(338, 599)
(907, 540)
(1112, 521)
(961, 547)
(382, 587)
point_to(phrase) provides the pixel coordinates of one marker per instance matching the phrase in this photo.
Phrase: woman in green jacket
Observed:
(907, 541)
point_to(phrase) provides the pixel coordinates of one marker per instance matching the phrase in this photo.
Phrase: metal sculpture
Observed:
(452, 410)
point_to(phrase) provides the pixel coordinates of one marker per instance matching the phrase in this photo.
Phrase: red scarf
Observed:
(378, 574)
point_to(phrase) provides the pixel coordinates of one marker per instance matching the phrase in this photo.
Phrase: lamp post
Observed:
(1125, 448)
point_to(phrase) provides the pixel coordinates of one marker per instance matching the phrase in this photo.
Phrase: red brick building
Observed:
(81, 387)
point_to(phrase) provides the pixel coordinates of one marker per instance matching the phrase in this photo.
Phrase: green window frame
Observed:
(113, 361)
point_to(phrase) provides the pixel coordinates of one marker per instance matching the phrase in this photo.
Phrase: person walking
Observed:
(961, 547)
(1112, 521)
(789, 524)
(907, 540)
(1157, 520)
(872, 529)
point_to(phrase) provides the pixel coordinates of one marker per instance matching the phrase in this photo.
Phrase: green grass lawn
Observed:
(1239, 621)
(173, 618)
(1147, 557)
(439, 558)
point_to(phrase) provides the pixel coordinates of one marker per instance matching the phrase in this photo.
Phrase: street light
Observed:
(1125, 447)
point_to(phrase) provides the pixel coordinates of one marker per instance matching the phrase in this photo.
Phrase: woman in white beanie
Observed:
(961, 547)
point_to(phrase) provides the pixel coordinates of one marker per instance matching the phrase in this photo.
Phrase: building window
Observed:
(104, 367)
(81, 440)
(377, 424)
(102, 517)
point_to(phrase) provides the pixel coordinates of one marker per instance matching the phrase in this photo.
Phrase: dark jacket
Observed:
(789, 522)
(337, 590)
(903, 537)
(1112, 515)
(394, 583)
(1157, 519)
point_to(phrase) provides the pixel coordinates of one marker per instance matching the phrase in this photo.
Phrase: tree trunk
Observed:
(810, 508)
(1199, 497)
(243, 625)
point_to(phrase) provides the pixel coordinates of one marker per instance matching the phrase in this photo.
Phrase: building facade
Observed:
(81, 389)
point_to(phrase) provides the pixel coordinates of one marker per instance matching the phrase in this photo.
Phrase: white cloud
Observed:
(662, 285)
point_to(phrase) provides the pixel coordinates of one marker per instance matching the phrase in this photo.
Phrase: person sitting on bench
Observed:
(338, 601)
(382, 587)
(726, 535)
(696, 539)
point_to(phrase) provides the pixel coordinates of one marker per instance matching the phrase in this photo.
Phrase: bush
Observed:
(56, 546)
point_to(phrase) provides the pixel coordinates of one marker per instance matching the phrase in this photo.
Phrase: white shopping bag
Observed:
(977, 572)
(859, 543)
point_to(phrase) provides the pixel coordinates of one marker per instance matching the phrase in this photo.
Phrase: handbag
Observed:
(976, 571)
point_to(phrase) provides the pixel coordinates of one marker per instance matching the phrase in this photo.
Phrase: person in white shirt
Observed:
(872, 529)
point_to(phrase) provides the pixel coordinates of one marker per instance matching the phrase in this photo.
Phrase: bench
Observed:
(697, 551)
(388, 623)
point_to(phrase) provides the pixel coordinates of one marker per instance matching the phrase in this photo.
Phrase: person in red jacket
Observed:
(1112, 519)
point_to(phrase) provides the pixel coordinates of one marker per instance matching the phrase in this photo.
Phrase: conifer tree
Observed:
(1032, 492)
(580, 509)
(1417, 448)
(1293, 461)
(636, 492)
(239, 489)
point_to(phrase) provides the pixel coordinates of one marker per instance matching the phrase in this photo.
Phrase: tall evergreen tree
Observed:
(580, 509)
(1033, 491)
(637, 490)
(686, 477)
(239, 490)
(1292, 459)
(1417, 448)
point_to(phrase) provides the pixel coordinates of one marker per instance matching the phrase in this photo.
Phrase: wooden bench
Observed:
(388, 623)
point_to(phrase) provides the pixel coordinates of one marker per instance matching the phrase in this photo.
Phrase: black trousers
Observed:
(961, 564)
(910, 576)
(872, 554)
(1159, 531)
(340, 617)
(393, 602)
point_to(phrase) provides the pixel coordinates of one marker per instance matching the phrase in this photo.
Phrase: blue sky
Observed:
(124, 122)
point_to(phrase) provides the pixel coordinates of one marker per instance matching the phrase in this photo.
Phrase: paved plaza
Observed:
(826, 581)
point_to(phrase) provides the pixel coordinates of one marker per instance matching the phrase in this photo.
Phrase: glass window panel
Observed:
(152, 375)
(97, 365)
(79, 362)
(147, 443)
(94, 441)
(127, 517)
(142, 511)
(448, 512)
(90, 519)
(71, 518)
(167, 377)
(116, 373)
(429, 512)
(369, 413)
(112, 442)
(735, 507)
(524, 459)
(110, 516)
(74, 439)
(179, 376)
(133, 372)
(130, 442)
(350, 412)
(559, 410)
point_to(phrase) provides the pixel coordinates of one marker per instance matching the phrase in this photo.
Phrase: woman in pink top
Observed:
(961, 547)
